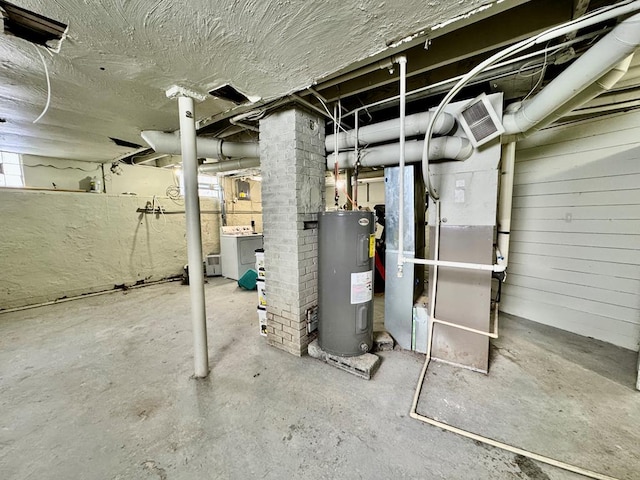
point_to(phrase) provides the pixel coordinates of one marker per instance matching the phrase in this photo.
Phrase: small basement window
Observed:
(11, 174)
(207, 185)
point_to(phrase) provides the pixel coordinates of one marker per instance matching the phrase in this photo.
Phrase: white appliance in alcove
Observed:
(238, 247)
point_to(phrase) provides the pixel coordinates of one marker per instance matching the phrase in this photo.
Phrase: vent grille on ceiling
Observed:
(480, 121)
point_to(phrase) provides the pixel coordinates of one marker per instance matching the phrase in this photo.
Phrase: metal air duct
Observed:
(415, 125)
(580, 77)
(163, 142)
(450, 148)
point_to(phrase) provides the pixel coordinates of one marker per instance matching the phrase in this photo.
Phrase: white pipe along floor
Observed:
(103, 388)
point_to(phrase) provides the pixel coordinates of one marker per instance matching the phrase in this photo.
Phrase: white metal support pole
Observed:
(402, 61)
(194, 235)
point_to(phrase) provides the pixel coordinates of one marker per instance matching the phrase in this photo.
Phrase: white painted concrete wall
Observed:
(44, 172)
(574, 260)
(55, 244)
(139, 179)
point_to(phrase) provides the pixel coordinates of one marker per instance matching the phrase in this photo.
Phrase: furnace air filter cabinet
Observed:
(346, 248)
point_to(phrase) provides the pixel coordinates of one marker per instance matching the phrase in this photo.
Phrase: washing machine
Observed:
(238, 247)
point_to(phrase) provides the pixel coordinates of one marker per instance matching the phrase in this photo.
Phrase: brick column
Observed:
(292, 157)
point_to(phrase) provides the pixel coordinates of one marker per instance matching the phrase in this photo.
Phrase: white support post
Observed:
(402, 61)
(194, 235)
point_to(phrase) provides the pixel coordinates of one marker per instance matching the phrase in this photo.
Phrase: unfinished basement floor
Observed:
(101, 388)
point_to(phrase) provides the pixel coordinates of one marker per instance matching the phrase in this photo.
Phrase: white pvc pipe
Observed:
(434, 279)
(493, 334)
(462, 265)
(402, 61)
(615, 47)
(194, 235)
(229, 165)
(506, 199)
(163, 142)
(415, 125)
(440, 148)
(413, 413)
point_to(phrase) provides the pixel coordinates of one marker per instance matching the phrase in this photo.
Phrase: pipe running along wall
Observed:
(163, 142)
(450, 148)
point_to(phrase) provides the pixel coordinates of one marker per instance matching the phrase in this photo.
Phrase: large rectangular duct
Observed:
(400, 293)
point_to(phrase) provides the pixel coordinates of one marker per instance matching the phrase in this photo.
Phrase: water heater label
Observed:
(361, 287)
(372, 246)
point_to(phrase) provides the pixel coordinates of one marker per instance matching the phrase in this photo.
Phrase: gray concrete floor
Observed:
(100, 388)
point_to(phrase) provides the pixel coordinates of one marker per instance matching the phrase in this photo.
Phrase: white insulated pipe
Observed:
(615, 47)
(163, 142)
(450, 148)
(603, 84)
(228, 165)
(415, 125)
(194, 235)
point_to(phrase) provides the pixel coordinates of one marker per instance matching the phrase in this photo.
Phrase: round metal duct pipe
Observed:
(163, 142)
(415, 125)
(450, 148)
(613, 49)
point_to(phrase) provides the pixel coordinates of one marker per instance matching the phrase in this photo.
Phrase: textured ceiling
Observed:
(120, 56)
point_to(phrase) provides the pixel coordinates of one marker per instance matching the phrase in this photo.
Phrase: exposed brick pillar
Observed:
(292, 157)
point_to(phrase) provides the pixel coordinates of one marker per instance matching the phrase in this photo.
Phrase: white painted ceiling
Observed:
(120, 56)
